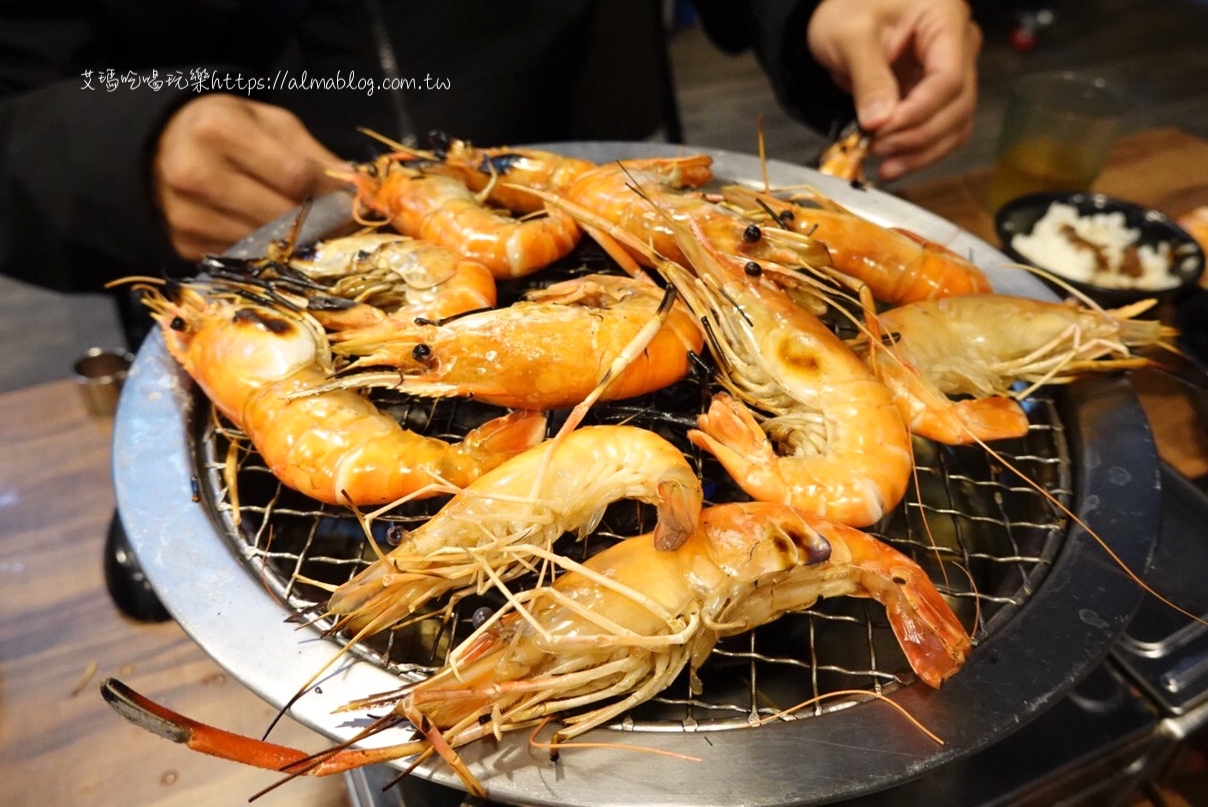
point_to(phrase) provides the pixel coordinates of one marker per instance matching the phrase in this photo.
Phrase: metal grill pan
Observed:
(1054, 605)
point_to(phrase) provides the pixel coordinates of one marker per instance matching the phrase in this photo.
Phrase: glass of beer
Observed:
(1058, 130)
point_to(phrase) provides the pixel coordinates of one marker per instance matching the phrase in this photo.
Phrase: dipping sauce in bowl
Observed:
(1111, 250)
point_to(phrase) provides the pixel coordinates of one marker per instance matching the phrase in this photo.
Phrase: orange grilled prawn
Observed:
(441, 209)
(979, 346)
(548, 351)
(612, 632)
(255, 362)
(896, 265)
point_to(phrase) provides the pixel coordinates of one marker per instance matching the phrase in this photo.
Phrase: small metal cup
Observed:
(99, 374)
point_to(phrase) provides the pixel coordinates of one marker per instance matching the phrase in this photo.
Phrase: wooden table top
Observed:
(60, 634)
(1166, 169)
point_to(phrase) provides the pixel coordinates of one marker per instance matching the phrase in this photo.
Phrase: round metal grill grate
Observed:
(985, 528)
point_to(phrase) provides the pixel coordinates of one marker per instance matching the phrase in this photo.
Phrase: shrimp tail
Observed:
(730, 433)
(506, 436)
(679, 504)
(932, 640)
(929, 633)
(961, 422)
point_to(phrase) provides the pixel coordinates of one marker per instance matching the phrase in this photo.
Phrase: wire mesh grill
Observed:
(982, 526)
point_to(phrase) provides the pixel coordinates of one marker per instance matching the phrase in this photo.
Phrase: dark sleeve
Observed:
(774, 31)
(75, 201)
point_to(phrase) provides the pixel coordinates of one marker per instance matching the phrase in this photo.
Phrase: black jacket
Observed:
(85, 88)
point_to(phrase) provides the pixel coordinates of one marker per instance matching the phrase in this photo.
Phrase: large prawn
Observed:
(562, 485)
(254, 362)
(357, 281)
(441, 209)
(612, 632)
(548, 351)
(851, 454)
(606, 192)
(505, 173)
(981, 346)
(844, 158)
(401, 276)
(897, 265)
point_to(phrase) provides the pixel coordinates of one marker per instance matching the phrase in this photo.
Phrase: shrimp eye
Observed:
(178, 324)
(396, 534)
(371, 169)
(439, 140)
(753, 269)
(421, 352)
(480, 616)
(752, 233)
(787, 216)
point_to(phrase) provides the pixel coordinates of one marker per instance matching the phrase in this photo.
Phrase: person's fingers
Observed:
(903, 160)
(226, 165)
(290, 165)
(284, 155)
(946, 78)
(241, 198)
(196, 230)
(874, 87)
(911, 68)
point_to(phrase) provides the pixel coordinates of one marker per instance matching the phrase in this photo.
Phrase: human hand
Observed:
(225, 165)
(911, 66)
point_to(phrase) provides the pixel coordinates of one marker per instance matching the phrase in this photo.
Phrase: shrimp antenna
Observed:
(763, 156)
(396, 146)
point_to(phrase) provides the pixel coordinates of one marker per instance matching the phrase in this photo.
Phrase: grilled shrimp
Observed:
(607, 192)
(358, 281)
(505, 172)
(547, 352)
(612, 632)
(851, 453)
(981, 345)
(559, 486)
(845, 157)
(896, 265)
(253, 362)
(441, 209)
(618, 199)
(403, 276)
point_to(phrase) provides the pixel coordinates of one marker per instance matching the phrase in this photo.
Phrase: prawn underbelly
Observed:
(441, 209)
(358, 281)
(980, 346)
(253, 362)
(403, 277)
(562, 485)
(546, 352)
